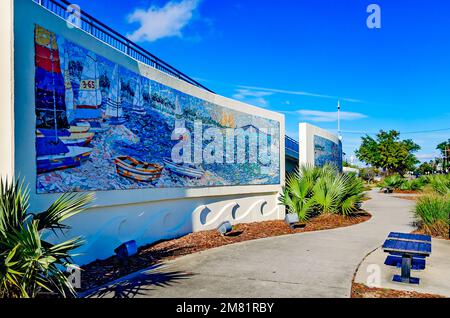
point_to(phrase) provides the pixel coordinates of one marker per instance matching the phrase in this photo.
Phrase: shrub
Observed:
(393, 182)
(339, 193)
(297, 196)
(440, 184)
(313, 190)
(30, 265)
(433, 213)
(413, 185)
(368, 174)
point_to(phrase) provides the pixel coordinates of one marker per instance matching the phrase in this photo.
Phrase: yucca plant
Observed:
(433, 212)
(29, 265)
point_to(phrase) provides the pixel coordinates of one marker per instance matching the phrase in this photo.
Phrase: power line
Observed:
(402, 133)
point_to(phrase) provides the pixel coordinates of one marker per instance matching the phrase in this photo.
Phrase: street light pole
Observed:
(339, 120)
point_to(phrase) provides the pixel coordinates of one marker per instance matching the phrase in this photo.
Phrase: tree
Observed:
(444, 147)
(347, 164)
(388, 152)
(426, 168)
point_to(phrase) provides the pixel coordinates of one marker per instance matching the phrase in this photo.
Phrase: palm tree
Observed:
(29, 265)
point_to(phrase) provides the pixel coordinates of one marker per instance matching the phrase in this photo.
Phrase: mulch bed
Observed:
(398, 191)
(362, 291)
(421, 231)
(101, 272)
(410, 198)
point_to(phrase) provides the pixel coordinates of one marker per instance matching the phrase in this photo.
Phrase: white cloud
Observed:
(160, 22)
(426, 156)
(245, 93)
(252, 96)
(301, 93)
(321, 116)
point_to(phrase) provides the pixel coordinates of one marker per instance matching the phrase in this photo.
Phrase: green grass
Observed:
(440, 184)
(432, 212)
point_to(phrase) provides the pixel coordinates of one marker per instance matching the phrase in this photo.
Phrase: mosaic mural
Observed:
(327, 151)
(100, 126)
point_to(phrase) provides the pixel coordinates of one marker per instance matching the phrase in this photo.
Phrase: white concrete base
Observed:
(105, 229)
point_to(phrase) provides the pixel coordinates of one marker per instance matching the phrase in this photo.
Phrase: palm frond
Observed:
(29, 264)
(63, 208)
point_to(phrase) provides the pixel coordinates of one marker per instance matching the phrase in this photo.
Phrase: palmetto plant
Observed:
(30, 265)
(352, 195)
(313, 190)
(393, 182)
(413, 185)
(297, 196)
(339, 193)
(327, 193)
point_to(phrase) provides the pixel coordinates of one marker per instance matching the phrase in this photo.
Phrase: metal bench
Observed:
(412, 248)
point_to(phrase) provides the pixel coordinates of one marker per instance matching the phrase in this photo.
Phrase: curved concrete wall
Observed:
(146, 215)
(6, 91)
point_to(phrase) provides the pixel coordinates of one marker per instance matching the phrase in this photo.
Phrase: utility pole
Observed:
(446, 159)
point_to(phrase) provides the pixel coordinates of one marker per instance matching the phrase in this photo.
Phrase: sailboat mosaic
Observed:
(100, 126)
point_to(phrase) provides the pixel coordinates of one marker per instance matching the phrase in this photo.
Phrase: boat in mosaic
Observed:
(78, 139)
(184, 170)
(68, 137)
(53, 155)
(56, 147)
(137, 170)
(79, 129)
(95, 126)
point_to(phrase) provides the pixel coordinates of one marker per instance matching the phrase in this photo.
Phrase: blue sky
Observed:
(299, 57)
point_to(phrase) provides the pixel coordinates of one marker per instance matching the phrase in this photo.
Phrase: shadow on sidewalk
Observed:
(141, 284)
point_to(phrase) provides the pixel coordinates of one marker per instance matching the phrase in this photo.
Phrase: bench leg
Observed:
(406, 268)
(406, 272)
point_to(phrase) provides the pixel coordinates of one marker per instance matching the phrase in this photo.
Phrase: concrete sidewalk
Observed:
(316, 264)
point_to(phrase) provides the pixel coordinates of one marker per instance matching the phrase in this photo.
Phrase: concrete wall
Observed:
(145, 215)
(6, 91)
(306, 141)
